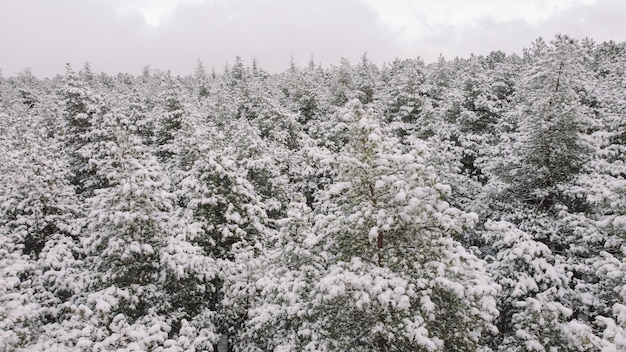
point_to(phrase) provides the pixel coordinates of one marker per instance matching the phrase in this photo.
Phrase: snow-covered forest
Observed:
(474, 204)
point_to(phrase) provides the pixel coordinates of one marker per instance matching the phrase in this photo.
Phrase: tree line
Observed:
(473, 204)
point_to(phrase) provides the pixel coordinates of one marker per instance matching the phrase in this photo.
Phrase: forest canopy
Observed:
(473, 204)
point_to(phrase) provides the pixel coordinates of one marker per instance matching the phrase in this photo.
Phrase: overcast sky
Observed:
(127, 35)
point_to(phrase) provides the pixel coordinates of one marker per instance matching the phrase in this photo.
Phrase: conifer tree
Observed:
(81, 108)
(552, 146)
(172, 111)
(403, 98)
(535, 313)
(389, 274)
(145, 268)
(38, 244)
(602, 184)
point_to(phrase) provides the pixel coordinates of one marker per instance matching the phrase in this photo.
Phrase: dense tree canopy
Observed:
(474, 204)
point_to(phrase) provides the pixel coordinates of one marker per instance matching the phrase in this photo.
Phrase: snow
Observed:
(243, 210)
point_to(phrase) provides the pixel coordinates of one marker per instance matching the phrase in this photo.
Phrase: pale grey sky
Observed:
(127, 35)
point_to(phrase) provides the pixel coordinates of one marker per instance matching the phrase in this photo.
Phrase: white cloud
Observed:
(416, 19)
(152, 11)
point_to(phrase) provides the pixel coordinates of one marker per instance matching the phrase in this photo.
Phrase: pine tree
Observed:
(288, 269)
(38, 245)
(403, 97)
(173, 109)
(388, 274)
(81, 108)
(602, 184)
(535, 313)
(552, 146)
(367, 79)
(146, 269)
